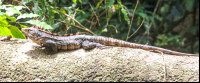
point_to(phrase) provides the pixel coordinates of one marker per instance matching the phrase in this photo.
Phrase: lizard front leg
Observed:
(52, 44)
(90, 45)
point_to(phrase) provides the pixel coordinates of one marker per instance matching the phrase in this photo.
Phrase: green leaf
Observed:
(43, 3)
(56, 25)
(61, 15)
(189, 4)
(155, 15)
(4, 31)
(19, 7)
(51, 1)
(26, 15)
(51, 15)
(36, 9)
(80, 1)
(2, 14)
(173, 37)
(158, 17)
(72, 21)
(63, 1)
(119, 3)
(105, 30)
(144, 15)
(99, 3)
(109, 3)
(164, 9)
(139, 20)
(109, 14)
(146, 26)
(23, 26)
(16, 33)
(125, 15)
(74, 1)
(124, 12)
(10, 17)
(11, 10)
(64, 18)
(26, 1)
(79, 10)
(162, 40)
(117, 6)
(153, 23)
(120, 16)
(3, 22)
(39, 23)
(0, 3)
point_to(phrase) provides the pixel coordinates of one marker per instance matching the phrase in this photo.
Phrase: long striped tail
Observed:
(121, 43)
(146, 47)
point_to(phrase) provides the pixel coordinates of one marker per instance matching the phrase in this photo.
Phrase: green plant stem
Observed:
(23, 5)
(137, 28)
(132, 20)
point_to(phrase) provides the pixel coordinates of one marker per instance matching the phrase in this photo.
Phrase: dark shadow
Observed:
(45, 52)
(41, 53)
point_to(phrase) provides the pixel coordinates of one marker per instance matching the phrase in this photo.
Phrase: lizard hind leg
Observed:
(91, 45)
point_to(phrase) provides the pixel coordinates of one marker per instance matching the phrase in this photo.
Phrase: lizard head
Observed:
(30, 32)
(33, 34)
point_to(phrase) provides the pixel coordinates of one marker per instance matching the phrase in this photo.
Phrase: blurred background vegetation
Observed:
(171, 24)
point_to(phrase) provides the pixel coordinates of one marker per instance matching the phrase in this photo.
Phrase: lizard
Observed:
(76, 41)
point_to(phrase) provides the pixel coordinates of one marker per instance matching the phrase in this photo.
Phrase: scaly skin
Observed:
(77, 41)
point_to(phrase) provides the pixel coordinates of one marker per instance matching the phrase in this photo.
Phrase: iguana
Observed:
(77, 41)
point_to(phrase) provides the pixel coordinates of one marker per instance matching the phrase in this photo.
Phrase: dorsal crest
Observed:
(59, 34)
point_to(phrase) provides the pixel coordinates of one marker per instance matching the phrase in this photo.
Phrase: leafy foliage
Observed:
(39, 24)
(25, 15)
(10, 13)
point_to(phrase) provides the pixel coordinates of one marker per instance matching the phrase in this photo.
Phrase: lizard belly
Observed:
(69, 45)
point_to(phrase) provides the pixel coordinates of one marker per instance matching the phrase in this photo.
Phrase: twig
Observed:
(103, 12)
(95, 15)
(24, 5)
(114, 27)
(82, 27)
(132, 19)
(137, 28)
